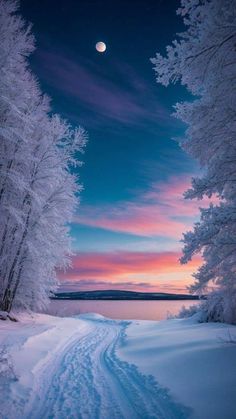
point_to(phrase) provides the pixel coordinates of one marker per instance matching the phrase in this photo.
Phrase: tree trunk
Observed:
(8, 294)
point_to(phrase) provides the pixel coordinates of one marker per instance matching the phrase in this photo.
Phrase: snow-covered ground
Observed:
(196, 361)
(92, 367)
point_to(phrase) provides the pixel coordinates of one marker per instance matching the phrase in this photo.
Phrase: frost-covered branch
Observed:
(203, 59)
(37, 189)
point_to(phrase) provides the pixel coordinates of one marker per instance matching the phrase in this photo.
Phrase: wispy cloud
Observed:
(133, 270)
(93, 88)
(91, 284)
(159, 211)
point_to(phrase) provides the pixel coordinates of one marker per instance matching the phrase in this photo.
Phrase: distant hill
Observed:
(120, 295)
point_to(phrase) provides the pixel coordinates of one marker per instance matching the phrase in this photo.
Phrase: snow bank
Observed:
(196, 361)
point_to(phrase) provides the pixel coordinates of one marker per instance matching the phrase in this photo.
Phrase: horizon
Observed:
(58, 291)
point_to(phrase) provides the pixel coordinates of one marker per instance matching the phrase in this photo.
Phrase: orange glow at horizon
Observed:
(140, 271)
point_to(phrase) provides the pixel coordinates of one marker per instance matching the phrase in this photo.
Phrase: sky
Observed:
(127, 230)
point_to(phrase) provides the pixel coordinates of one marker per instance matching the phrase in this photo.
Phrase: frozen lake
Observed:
(128, 309)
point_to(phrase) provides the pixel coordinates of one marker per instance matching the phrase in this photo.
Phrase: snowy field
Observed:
(94, 367)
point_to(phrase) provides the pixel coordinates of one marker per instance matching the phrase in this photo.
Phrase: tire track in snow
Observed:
(91, 382)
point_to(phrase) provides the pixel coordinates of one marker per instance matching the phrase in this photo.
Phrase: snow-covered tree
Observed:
(203, 59)
(37, 189)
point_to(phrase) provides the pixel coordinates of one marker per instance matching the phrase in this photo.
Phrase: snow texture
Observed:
(93, 367)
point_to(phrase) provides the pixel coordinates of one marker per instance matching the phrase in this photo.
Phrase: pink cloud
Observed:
(123, 269)
(89, 285)
(161, 211)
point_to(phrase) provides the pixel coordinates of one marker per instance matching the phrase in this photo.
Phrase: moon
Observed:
(101, 46)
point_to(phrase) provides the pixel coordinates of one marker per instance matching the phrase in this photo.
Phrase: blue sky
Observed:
(134, 173)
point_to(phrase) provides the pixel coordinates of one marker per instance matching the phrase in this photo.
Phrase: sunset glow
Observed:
(156, 217)
(129, 270)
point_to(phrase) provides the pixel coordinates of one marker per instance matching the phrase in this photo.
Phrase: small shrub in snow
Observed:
(188, 312)
(220, 307)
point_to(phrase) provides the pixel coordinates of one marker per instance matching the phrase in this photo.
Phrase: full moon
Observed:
(101, 46)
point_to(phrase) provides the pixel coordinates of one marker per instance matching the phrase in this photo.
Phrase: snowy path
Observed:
(89, 381)
(83, 367)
